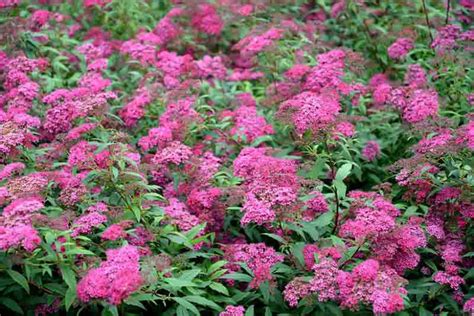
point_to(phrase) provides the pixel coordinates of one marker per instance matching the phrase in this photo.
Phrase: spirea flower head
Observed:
(311, 111)
(157, 137)
(446, 37)
(176, 153)
(205, 19)
(19, 235)
(372, 219)
(10, 169)
(249, 124)
(233, 311)
(23, 206)
(295, 290)
(135, 109)
(315, 205)
(371, 150)
(415, 76)
(469, 305)
(210, 67)
(422, 104)
(259, 258)
(324, 282)
(400, 48)
(115, 279)
(85, 223)
(180, 215)
(452, 280)
(327, 75)
(346, 129)
(430, 145)
(114, 232)
(253, 44)
(272, 181)
(256, 211)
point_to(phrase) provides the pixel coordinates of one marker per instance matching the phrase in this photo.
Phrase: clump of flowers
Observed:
(371, 150)
(311, 111)
(400, 48)
(115, 279)
(258, 257)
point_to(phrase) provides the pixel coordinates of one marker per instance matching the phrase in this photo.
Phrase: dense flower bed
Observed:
(236, 157)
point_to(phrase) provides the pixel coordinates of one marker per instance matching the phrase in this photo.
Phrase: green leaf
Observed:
(276, 237)
(137, 212)
(134, 302)
(216, 266)
(20, 279)
(110, 310)
(324, 219)
(341, 188)
(69, 277)
(179, 283)
(189, 275)
(317, 169)
(219, 288)
(186, 304)
(238, 277)
(261, 139)
(69, 298)
(343, 172)
(202, 301)
(79, 251)
(193, 232)
(11, 305)
(115, 174)
(250, 311)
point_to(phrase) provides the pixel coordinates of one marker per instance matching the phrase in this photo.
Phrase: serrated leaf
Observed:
(69, 298)
(219, 288)
(323, 220)
(134, 302)
(250, 311)
(343, 171)
(189, 275)
(69, 277)
(202, 301)
(20, 279)
(276, 237)
(11, 305)
(179, 283)
(238, 277)
(341, 188)
(80, 251)
(216, 266)
(187, 305)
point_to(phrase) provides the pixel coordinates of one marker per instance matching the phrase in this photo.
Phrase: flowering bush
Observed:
(235, 158)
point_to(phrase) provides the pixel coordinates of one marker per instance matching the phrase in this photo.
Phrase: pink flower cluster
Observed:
(311, 111)
(415, 105)
(369, 283)
(258, 257)
(247, 123)
(115, 279)
(400, 48)
(271, 185)
(233, 311)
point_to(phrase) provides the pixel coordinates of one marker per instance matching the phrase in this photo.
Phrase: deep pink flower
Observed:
(115, 279)
(114, 232)
(205, 19)
(371, 150)
(400, 48)
(311, 111)
(295, 290)
(233, 311)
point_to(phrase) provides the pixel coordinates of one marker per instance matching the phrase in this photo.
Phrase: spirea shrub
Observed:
(236, 158)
